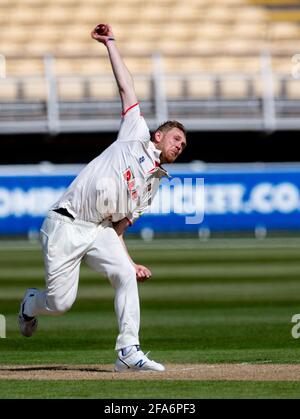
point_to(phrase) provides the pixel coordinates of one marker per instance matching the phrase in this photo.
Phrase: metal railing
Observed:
(202, 100)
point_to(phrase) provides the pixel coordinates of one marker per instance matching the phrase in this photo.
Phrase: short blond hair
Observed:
(167, 126)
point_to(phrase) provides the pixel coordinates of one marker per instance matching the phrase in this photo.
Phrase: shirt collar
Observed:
(156, 152)
(161, 171)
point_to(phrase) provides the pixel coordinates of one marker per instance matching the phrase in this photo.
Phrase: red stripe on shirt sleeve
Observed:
(127, 110)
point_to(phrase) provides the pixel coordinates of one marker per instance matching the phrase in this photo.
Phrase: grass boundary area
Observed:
(115, 389)
(178, 242)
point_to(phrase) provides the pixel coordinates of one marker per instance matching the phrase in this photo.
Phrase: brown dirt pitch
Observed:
(202, 372)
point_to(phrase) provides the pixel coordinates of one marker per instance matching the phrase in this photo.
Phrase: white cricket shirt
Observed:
(121, 181)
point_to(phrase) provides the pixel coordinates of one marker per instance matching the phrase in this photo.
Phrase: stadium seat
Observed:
(35, 89)
(56, 14)
(103, 89)
(148, 31)
(293, 89)
(218, 13)
(174, 88)
(47, 33)
(227, 34)
(8, 90)
(70, 89)
(9, 48)
(142, 65)
(225, 64)
(140, 46)
(280, 31)
(282, 65)
(123, 13)
(234, 87)
(25, 15)
(39, 47)
(143, 88)
(250, 14)
(74, 46)
(15, 33)
(87, 13)
(77, 32)
(260, 87)
(65, 66)
(212, 30)
(239, 45)
(172, 46)
(217, 20)
(201, 87)
(24, 67)
(248, 31)
(275, 2)
(287, 47)
(152, 13)
(288, 15)
(93, 66)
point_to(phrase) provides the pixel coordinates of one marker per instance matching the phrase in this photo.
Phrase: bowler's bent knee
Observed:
(122, 276)
(58, 304)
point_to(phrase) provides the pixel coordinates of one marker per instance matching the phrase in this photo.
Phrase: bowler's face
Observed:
(171, 143)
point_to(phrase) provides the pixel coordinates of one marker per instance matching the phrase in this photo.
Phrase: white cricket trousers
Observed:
(66, 242)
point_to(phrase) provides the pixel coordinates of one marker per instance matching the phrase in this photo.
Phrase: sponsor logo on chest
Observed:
(131, 183)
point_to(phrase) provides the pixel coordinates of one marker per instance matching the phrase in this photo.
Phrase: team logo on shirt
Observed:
(128, 175)
(142, 159)
(131, 184)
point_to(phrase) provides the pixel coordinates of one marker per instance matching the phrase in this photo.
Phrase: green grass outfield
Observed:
(221, 301)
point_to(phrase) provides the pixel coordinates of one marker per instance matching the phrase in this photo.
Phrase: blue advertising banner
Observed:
(221, 198)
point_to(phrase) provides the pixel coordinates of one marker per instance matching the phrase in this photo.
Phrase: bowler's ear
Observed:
(157, 136)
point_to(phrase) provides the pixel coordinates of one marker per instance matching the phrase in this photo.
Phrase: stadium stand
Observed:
(212, 55)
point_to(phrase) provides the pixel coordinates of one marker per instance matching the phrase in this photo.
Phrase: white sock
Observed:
(125, 351)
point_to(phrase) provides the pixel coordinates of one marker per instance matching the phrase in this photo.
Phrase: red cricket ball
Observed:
(101, 29)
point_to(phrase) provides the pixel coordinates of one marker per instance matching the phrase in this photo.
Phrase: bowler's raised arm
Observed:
(121, 72)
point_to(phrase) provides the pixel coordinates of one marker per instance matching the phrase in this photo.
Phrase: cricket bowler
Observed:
(89, 221)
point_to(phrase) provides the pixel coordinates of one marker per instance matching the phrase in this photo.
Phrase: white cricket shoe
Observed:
(136, 360)
(27, 325)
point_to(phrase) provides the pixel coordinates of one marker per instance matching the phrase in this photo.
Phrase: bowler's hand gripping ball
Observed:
(101, 29)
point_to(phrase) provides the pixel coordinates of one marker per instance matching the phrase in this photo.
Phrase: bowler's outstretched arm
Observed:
(122, 75)
(128, 97)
